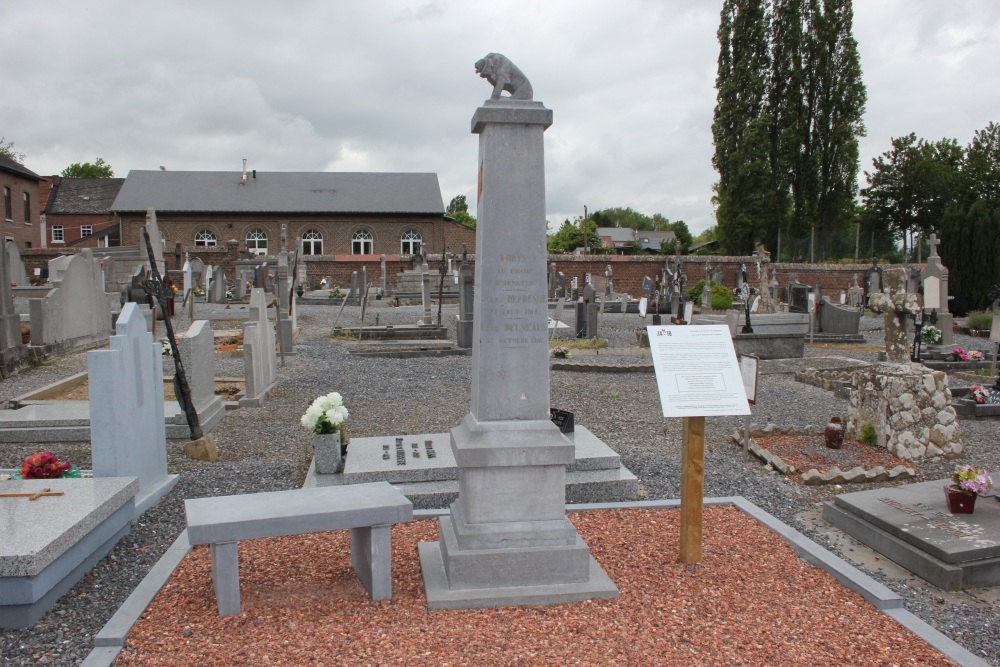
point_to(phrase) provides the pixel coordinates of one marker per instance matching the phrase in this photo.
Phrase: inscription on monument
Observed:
(515, 307)
(942, 525)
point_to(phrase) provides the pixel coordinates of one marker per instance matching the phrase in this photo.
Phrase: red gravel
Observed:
(806, 452)
(751, 601)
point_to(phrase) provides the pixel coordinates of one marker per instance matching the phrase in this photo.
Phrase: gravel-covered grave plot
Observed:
(267, 449)
(750, 601)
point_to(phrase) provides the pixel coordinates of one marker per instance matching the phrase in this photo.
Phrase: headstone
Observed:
(798, 297)
(283, 283)
(425, 296)
(935, 283)
(127, 431)
(217, 293)
(897, 305)
(197, 271)
(188, 278)
(855, 295)
(873, 281)
(57, 267)
(12, 351)
(197, 351)
(717, 275)
(260, 361)
(561, 289)
(706, 296)
(178, 253)
(835, 319)
(553, 280)
(648, 285)
(15, 266)
(609, 287)
(466, 298)
(507, 539)
(156, 240)
(74, 314)
(382, 282)
(354, 295)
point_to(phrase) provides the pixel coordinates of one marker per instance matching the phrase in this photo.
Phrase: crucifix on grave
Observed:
(200, 446)
(897, 305)
(33, 495)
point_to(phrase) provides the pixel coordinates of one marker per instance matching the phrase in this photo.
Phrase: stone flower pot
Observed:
(327, 453)
(960, 502)
(834, 433)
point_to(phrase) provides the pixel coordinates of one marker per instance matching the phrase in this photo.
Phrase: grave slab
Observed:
(911, 525)
(50, 542)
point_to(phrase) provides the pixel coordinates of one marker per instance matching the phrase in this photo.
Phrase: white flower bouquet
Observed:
(326, 414)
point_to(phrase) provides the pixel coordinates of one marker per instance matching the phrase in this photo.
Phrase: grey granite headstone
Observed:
(836, 319)
(15, 266)
(75, 314)
(382, 283)
(466, 296)
(260, 361)
(217, 292)
(935, 288)
(507, 539)
(12, 351)
(648, 285)
(127, 431)
(57, 267)
(156, 240)
(425, 295)
(197, 269)
(197, 350)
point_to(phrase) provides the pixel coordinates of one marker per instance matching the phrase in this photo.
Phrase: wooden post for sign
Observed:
(692, 488)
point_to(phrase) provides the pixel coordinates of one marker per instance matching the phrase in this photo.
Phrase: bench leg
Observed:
(226, 577)
(371, 556)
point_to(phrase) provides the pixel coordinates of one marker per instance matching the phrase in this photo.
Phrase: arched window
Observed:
(257, 241)
(361, 242)
(312, 242)
(205, 239)
(409, 244)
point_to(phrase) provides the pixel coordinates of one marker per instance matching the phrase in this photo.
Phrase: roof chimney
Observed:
(243, 178)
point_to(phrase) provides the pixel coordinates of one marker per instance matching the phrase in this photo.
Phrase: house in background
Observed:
(21, 221)
(78, 212)
(327, 213)
(628, 241)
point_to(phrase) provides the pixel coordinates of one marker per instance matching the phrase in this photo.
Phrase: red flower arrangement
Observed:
(43, 465)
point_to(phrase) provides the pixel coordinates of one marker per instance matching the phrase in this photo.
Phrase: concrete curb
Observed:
(109, 641)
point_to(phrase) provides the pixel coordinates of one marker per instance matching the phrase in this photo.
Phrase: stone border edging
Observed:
(813, 477)
(110, 640)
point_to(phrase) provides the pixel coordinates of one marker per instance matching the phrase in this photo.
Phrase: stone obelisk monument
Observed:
(507, 540)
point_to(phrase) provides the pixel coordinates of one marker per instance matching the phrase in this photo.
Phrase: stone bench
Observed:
(367, 509)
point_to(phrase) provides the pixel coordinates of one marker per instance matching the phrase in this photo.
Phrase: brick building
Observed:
(21, 220)
(334, 216)
(78, 212)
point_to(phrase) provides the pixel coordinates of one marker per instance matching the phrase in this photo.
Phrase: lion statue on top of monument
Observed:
(504, 75)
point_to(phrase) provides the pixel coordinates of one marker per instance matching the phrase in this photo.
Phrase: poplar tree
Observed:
(739, 127)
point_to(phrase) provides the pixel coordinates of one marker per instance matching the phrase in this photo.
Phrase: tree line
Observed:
(787, 120)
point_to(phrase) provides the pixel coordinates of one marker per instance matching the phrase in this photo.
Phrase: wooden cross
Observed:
(32, 495)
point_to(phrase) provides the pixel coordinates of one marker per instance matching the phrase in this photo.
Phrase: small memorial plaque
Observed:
(562, 419)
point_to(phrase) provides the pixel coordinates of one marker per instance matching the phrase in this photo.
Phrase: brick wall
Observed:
(25, 233)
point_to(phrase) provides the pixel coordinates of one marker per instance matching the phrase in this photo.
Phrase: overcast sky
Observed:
(390, 86)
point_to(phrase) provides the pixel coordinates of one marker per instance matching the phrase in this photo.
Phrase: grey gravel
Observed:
(267, 449)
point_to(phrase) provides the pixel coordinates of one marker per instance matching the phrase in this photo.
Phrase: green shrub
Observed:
(694, 293)
(722, 298)
(977, 319)
(868, 435)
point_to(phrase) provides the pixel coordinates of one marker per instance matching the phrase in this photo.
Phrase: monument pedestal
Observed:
(507, 540)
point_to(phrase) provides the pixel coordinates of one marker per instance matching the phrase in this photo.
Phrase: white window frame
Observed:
(86, 230)
(259, 239)
(410, 242)
(26, 208)
(312, 242)
(362, 240)
(58, 234)
(8, 205)
(205, 238)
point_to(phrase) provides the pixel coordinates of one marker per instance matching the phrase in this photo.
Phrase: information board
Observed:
(696, 371)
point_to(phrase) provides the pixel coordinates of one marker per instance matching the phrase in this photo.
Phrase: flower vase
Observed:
(833, 434)
(327, 453)
(960, 502)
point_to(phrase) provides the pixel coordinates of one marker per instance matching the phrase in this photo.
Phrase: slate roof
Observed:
(280, 192)
(92, 196)
(617, 234)
(6, 164)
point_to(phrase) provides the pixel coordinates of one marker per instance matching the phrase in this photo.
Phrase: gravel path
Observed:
(266, 449)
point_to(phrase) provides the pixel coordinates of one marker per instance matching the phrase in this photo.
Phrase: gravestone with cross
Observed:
(934, 277)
